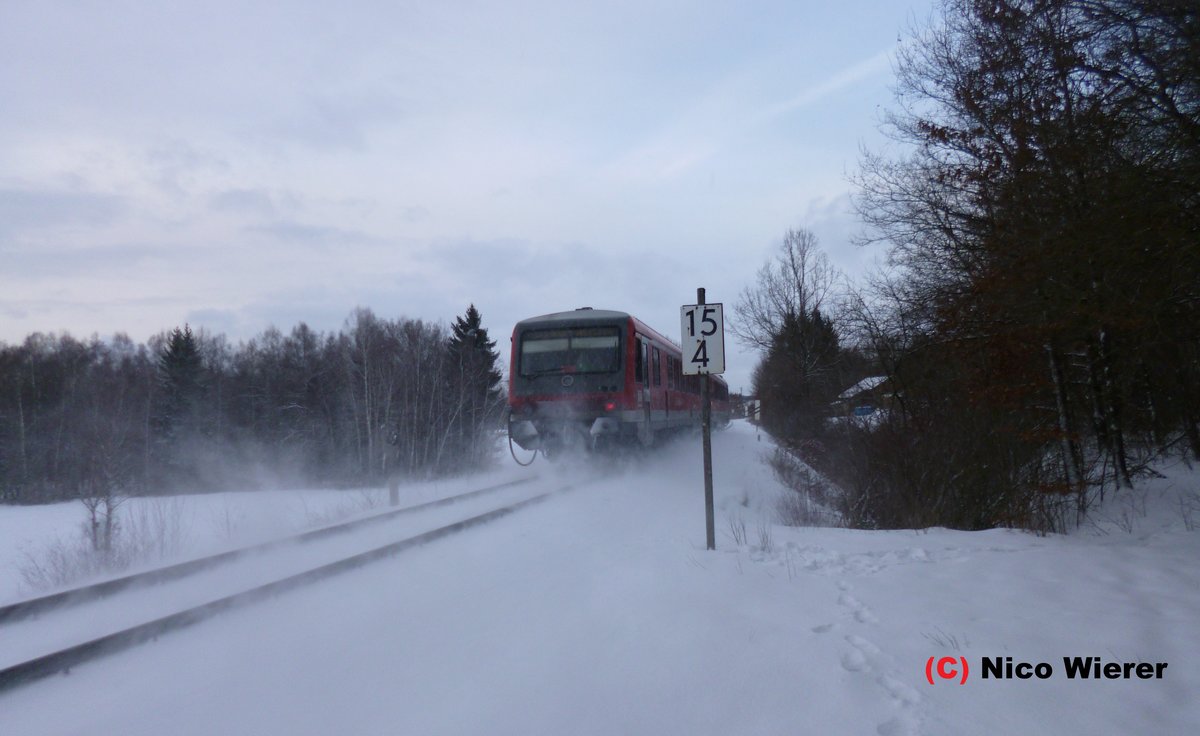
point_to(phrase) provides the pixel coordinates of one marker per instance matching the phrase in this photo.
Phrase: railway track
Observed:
(26, 608)
(81, 602)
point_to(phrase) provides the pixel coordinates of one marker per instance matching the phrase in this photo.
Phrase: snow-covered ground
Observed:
(599, 611)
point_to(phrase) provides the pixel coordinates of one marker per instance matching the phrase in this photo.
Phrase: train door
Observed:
(670, 388)
(645, 377)
(658, 392)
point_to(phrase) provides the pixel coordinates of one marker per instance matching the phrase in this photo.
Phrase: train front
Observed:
(568, 380)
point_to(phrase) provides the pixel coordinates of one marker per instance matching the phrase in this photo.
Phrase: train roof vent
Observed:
(583, 309)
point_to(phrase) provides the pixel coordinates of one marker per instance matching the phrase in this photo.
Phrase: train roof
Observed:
(585, 314)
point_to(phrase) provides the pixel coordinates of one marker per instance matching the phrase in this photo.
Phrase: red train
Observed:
(594, 378)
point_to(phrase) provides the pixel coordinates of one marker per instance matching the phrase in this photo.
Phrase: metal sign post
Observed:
(703, 329)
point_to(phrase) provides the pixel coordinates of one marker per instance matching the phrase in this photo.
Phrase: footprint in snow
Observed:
(902, 725)
(866, 656)
(854, 661)
(865, 646)
(903, 694)
(861, 612)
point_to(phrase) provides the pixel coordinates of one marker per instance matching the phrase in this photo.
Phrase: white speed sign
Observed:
(703, 329)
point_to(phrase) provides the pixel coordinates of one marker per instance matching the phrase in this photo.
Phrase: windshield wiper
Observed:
(544, 372)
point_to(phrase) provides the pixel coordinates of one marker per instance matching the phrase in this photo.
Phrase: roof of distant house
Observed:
(865, 384)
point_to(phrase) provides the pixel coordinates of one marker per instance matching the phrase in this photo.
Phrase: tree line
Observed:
(1039, 322)
(188, 411)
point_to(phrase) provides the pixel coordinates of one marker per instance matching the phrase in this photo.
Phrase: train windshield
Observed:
(579, 350)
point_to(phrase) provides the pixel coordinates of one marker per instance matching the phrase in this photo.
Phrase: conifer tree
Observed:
(799, 376)
(179, 404)
(180, 376)
(475, 384)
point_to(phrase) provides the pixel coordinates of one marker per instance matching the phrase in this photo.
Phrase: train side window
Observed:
(657, 368)
(640, 361)
(670, 372)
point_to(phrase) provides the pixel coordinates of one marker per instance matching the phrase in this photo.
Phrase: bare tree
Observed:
(781, 316)
(105, 420)
(796, 283)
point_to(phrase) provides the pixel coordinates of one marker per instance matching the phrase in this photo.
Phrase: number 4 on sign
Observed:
(703, 341)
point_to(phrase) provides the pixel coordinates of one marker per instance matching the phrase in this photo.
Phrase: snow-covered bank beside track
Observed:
(189, 526)
(600, 612)
(95, 617)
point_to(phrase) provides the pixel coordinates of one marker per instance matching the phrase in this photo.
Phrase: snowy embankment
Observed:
(600, 612)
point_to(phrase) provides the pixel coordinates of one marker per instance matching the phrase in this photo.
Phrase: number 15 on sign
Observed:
(703, 328)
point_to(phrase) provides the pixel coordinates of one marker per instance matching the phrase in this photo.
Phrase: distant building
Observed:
(864, 398)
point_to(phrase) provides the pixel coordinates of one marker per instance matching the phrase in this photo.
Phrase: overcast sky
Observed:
(239, 165)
